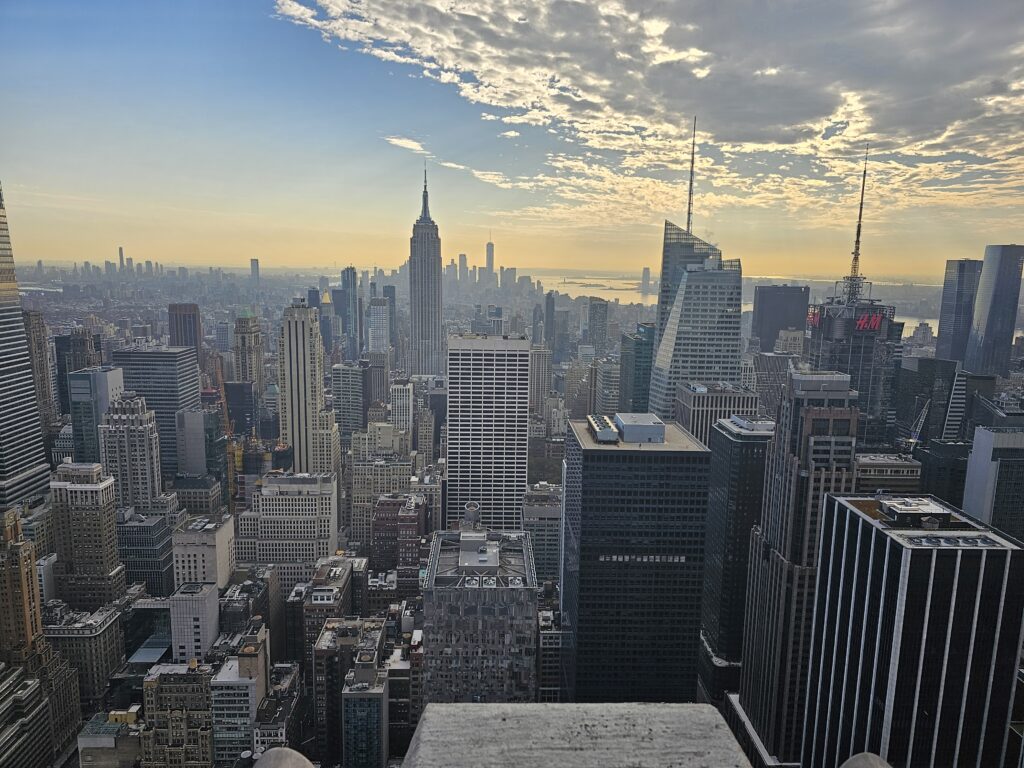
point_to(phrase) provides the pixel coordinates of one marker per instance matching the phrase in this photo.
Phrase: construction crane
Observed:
(915, 430)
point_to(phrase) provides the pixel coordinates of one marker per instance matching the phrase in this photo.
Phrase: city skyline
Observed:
(201, 161)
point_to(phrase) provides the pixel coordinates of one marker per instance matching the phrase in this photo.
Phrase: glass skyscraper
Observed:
(995, 311)
(679, 249)
(959, 289)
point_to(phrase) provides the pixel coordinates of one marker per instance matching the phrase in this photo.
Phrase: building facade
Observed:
(426, 337)
(956, 313)
(995, 311)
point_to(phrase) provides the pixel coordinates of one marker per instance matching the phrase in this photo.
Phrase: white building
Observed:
(540, 378)
(488, 427)
(195, 620)
(402, 409)
(130, 450)
(701, 340)
(292, 524)
(379, 329)
(306, 426)
(204, 551)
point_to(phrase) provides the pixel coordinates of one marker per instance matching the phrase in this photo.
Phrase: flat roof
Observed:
(676, 439)
(480, 559)
(573, 736)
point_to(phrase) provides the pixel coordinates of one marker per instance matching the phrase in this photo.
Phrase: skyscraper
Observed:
(917, 631)
(811, 454)
(24, 471)
(489, 256)
(390, 295)
(425, 340)
(995, 479)
(679, 250)
(39, 356)
(79, 349)
(403, 406)
(549, 319)
(91, 391)
(540, 379)
(956, 315)
(248, 348)
(254, 271)
(347, 399)
(635, 359)
(700, 340)
(88, 570)
(185, 324)
(380, 325)
(488, 428)
(306, 425)
(597, 324)
(634, 506)
(778, 308)
(700, 405)
(738, 446)
(168, 378)
(995, 311)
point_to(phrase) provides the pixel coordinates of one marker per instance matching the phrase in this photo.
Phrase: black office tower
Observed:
(739, 446)
(995, 311)
(959, 289)
(778, 308)
(917, 631)
(635, 358)
(811, 454)
(632, 559)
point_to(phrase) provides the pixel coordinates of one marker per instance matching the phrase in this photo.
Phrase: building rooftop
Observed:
(676, 439)
(925, 522)
(480, 559)
(574, 736)
(886, 459)
(715, 388)
(747, 425)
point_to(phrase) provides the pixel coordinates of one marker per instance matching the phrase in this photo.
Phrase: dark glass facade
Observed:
(995, 311)
(636, 356)
(778, 308)
(959, 289)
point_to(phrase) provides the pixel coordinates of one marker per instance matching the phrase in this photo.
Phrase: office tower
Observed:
(380, 325)
(680, 249)
(240, 402)
(39, 357)
(542, 519)
(893, 473)
(778, 308)
(391, 296)
(811, 454)
(144, 546)
(463, 268)
(364, 704)
(168, 379)
(549, 319)
(92, 642)
(540, 379)
(185, 326)
(248, 349)
(944, 469)
(22, 642)
(489, 256)
(204, 550)
(700, 405)
(91, 391)
(645, 281)
(597, 324)
(403, 406)
(293, 522)
(488, 428)
(700, 339)
(635, 358)
(346, 306)
(918, 620)
(89, 571)
(375, 474)
(179, 717)
(306, 425)
(470, 572)
(223, 336)
(332, 653)
(25, 722)
(72, 352)
(995, 477)
(347, 397)
(24, 471)
(425, 339)
(236, 691)
(633, 516)
(739, 447)
(995, 311)
(130, 451)
(254, 271)
(195, 620)
(201, 442)
(603, 380)
(956, 314)
(929, 399)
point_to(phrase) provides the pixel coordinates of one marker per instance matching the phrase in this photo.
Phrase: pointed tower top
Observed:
(425, 211)
(855, 279)
(689, 197)
(1, 196)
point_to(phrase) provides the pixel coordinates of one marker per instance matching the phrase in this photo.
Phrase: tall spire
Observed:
(689, 197)
(425, 212)
(855, 279)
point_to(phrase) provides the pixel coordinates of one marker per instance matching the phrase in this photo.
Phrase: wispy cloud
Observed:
(935, 86)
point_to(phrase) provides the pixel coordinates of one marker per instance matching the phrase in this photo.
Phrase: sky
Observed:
(296, 131)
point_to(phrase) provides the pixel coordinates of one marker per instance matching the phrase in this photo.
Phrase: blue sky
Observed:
(206, 132)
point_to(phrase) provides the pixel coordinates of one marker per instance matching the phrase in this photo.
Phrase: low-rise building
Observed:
(893, 473)
(204, 550)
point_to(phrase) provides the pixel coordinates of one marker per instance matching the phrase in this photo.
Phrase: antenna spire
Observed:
(855, 279)
(425, 211)
(689, 197)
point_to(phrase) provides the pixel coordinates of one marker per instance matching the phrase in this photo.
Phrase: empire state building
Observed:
(426, 358)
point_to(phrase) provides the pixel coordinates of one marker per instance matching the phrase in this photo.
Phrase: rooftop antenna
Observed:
(855, 276)
(689, 197)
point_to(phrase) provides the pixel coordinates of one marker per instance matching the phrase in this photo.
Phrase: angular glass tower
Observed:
(679, 249)
(995, 311)
(959, 290)
(23, 468)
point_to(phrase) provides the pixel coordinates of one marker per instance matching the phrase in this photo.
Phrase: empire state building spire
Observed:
(425, 211)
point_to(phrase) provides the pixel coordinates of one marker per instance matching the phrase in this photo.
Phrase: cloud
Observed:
(787, 96)
(509, 134)
(406, 143)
